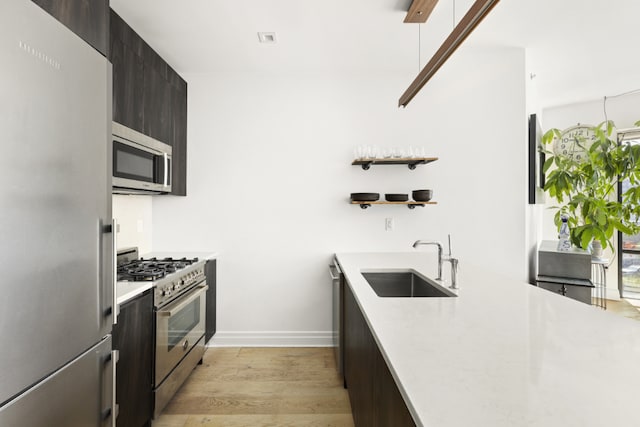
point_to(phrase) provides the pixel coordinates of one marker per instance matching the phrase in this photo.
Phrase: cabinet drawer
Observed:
(579, 293)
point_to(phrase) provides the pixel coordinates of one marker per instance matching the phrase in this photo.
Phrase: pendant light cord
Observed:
(453, 19)
(454, 15)
(419, 48)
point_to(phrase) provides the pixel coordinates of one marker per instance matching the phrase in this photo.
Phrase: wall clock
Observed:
(575, 142)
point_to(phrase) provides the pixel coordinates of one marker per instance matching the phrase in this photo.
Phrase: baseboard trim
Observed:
(271, 339)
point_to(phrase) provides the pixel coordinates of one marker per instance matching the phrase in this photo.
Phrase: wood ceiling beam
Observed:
(419, 11)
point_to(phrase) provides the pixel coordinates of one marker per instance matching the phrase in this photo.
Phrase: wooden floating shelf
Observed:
(411, 162)
(411, 205)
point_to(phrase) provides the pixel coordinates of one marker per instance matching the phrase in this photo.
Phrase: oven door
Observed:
(179, 326)
(139, 167)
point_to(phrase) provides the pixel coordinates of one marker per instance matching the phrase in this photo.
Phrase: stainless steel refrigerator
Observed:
(56, 287)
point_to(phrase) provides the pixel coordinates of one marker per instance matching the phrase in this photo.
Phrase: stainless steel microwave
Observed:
(141, 164)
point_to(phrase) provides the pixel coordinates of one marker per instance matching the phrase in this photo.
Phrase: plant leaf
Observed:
(549, 135)
(586, 237)
(547, 164)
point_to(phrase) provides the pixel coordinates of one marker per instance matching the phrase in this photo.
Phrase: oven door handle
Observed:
(179, 305)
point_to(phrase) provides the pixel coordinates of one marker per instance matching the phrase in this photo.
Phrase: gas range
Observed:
(170, 277)
(179, 314)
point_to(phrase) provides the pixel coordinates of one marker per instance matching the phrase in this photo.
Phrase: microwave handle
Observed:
(166, 169)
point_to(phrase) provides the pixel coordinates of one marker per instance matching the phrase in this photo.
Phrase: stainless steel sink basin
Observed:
(407, 284)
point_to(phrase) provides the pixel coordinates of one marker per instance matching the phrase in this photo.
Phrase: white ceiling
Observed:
(578, 50)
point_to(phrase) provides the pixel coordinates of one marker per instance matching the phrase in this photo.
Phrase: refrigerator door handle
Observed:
(113, 409)
(115, 356)
(114, 263)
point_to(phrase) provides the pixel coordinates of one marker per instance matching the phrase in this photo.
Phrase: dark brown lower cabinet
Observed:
(373, 393)
(133, 338)
(210, 272)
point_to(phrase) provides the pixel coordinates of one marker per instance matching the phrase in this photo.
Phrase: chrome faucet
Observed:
(439, 245)
(454, 267)
(441, 259)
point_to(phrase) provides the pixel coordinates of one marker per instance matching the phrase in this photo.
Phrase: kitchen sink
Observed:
(406, 284)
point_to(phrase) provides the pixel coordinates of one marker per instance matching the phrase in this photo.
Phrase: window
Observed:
(628, 245)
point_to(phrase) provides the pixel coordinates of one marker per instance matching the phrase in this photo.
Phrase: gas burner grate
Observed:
(151, 269)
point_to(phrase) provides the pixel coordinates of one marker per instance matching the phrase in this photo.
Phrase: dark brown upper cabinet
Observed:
(158, 108)
(179, 117)
(89, 19)
(128, 81)
(149, 96)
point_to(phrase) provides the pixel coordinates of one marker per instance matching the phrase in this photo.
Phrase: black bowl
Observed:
(365, 197)
(396, 197)
(422, 195)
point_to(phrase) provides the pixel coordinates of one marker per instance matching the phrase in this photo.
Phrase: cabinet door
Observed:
(580, 293)
(157, 105)
(390, 409)
(133, 337)
(179, 138)
(120, 30)
(375, 398)
(210, 271)
(358, 360)
(127, 86)
(89, 19)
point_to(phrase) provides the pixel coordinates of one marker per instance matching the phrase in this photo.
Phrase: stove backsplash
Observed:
(134, 214)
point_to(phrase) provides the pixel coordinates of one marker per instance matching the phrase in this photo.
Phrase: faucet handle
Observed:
(454, 272)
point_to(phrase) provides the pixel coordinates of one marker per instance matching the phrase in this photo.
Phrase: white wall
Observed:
(269, 180)
(134, 214)
(624, 111)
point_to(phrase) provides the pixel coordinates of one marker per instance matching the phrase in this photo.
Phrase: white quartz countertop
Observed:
(501, 354)
(126, 291)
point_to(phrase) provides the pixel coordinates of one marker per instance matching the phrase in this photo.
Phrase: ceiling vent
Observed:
(267, 37)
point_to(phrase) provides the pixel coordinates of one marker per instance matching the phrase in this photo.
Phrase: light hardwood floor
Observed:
(261, 387)
(275, 387)
(623, 308)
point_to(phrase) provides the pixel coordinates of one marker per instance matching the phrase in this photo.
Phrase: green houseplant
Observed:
(585, 188)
